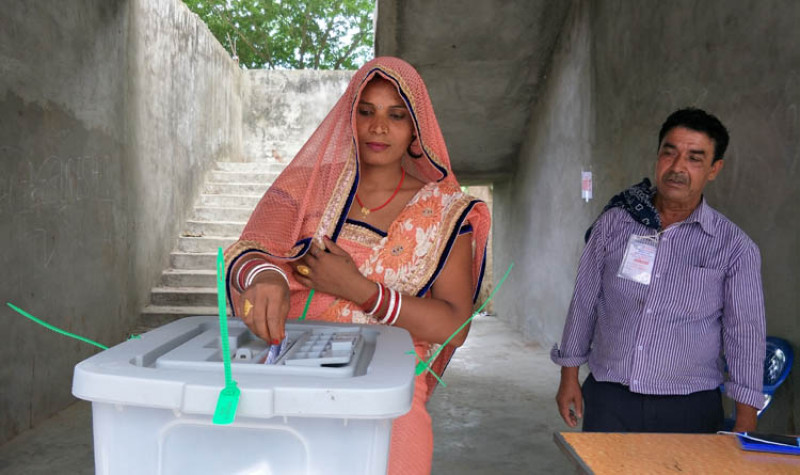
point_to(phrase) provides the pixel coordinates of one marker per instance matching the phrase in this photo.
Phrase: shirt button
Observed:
(640, 347)
(658, 276)
(649, 310)
(635, 381)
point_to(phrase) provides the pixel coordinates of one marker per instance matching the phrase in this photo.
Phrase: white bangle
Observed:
(397, 312)
(261, 268)
(378, 302)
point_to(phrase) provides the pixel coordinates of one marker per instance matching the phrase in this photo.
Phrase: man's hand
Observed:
(746, 418)
(569, 397)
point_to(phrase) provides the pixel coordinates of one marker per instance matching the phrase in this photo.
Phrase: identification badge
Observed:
(640, 256)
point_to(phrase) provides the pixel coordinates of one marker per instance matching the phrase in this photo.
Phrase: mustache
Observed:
(676, 177)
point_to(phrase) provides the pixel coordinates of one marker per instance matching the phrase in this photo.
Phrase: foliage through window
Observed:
(292, 34)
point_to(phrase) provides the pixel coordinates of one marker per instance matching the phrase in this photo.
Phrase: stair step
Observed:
(235, 201)
(219, 213)
(204, 244)
(184, 296)
(213, 228)
(188, 288)
(257, 167)
(256, 189)
(219, 176)
(154, 316)
(189, 278)
(193, 260)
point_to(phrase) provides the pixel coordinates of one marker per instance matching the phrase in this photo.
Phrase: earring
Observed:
(410, 153)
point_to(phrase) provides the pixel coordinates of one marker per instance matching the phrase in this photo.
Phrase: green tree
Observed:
(292, 34)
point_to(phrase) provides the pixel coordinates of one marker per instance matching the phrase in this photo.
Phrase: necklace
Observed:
(365, 211)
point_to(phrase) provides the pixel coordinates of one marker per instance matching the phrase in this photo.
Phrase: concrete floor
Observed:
(498, 412)
(496, 415)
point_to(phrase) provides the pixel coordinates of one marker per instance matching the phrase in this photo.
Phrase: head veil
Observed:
(313, 194)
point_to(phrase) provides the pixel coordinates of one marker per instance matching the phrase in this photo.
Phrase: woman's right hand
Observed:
(264, 306)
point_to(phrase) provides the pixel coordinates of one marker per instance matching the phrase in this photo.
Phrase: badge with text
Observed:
(640, 255)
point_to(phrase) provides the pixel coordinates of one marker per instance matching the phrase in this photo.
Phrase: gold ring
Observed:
(303, 270)
(247, 307)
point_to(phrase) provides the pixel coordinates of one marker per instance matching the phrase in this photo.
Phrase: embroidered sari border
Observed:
(368, 226)
(452, 235)
(481, 273)
(343, 207)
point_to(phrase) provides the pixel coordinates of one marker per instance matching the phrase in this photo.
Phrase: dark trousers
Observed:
(612, 407)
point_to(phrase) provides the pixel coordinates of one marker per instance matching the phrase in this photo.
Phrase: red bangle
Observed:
(369, 304)
(384, 296)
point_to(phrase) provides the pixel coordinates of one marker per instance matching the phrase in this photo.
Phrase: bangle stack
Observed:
(381, 296)
(249, 270)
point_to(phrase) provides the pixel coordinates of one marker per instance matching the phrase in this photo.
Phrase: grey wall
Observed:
(539, 216)
(283, 108)
(63, 223)
(185, 111)
(483, 63)
(620, 68)
(110, 112)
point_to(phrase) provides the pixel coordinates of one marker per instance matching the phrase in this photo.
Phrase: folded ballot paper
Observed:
(760, 442)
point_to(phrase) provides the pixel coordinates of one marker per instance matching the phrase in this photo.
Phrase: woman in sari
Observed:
(370, 216)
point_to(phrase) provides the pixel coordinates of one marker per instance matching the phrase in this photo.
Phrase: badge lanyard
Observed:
(639, 258)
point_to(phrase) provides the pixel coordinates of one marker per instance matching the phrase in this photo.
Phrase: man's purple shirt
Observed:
(704, 297)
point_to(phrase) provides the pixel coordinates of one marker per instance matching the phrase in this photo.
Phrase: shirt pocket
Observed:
(702, 292)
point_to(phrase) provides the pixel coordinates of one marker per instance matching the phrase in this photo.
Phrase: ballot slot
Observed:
(318, 347)
(324, 350)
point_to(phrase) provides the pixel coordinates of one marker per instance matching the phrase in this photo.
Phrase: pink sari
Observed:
(312, 197)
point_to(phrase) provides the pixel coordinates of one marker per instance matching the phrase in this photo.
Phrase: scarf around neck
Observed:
(638, 202)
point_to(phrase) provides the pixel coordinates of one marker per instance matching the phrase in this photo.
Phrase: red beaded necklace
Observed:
(365, 211)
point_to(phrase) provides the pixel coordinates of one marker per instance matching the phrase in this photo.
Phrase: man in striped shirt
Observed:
(665, 286)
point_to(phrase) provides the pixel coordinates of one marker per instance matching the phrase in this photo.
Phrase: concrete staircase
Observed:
(280, 110)
(188, 286)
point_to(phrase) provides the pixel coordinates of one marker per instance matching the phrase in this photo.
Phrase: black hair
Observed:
(699, 121)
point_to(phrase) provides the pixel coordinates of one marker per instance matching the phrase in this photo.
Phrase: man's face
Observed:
(684, 166)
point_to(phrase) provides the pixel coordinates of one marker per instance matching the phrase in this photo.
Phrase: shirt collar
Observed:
(703, 215)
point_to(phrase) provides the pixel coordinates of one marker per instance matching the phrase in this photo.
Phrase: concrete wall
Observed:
(539, 215)
(620, 69)
(110, 112)
(283, 108)
(185, 112)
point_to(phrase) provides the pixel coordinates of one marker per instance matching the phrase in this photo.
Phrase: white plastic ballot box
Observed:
(324, 406)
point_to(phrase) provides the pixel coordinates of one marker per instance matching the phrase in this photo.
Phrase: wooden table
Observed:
(601, 453)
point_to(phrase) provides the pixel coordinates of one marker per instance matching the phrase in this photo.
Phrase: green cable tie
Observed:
(422, 365)
(54, 328)
(308, 304)
(228, 400)
(421, 361)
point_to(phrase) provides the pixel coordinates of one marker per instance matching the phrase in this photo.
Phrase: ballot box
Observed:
(322, 403)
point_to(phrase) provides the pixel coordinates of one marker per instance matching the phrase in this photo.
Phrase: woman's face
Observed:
(383, 124)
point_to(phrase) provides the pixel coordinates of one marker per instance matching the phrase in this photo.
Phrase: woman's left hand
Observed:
(333, 272)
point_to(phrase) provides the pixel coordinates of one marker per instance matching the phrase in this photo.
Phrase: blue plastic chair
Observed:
(777, 366)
